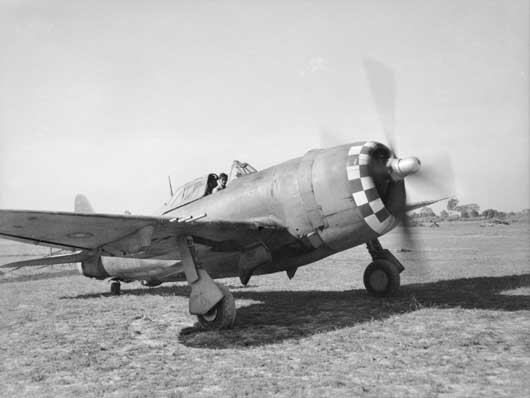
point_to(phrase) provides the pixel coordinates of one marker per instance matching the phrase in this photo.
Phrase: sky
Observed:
(108, 98)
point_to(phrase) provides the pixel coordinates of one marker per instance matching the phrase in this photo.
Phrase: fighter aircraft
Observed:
(273, 220)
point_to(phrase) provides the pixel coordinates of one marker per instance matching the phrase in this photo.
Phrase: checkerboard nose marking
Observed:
(364, 192)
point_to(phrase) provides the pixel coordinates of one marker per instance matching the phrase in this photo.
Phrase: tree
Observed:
(427, 212)
(444, 214)
(490, 213)
(452, 203)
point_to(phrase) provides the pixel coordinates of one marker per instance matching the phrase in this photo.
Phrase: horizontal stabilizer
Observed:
(414, 206)
(75, 257)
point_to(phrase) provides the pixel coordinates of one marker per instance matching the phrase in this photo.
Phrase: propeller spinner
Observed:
(400, 168)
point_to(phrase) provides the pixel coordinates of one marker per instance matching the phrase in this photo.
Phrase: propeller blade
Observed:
(407, 241)
(329, 138)
(435, 175)
(417, 261)
(435, 178)
(383, 87)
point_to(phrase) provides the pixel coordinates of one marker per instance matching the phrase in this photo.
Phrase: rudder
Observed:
(82, 205)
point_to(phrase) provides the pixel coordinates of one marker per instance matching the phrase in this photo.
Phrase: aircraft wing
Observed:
(76, 257)
(126, 235)
(414, 206)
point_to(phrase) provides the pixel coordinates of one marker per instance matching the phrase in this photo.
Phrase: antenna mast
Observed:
(170, 186)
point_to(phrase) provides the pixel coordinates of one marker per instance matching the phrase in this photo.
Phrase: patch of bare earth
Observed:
(317, 335)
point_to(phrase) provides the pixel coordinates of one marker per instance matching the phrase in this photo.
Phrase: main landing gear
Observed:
(213, 303)
(381, 277)
(222, 315)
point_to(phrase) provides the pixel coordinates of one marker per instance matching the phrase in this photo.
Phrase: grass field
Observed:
(460, 326)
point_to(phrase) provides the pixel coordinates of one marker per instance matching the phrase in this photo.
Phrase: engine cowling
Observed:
(348, 193)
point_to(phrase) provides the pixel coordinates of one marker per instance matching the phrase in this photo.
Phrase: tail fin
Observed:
(82, 205)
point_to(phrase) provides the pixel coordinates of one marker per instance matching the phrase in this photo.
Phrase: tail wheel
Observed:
(381, 278)
(115, 288)
(222, 315)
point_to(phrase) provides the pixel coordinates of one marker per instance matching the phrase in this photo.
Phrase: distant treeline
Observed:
(455, 211)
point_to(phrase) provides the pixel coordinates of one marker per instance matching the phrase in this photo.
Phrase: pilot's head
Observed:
(212, 181)
(223, 178)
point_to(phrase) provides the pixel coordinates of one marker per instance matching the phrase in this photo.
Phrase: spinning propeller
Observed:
(435, 174)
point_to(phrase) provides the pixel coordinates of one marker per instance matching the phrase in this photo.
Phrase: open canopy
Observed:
(202, 186)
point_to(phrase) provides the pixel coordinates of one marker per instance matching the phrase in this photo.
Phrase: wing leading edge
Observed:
(49, 260)
(125, 235)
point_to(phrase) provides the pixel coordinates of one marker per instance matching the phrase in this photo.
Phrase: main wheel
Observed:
(223, 315)
(381, 278)
(115, 288)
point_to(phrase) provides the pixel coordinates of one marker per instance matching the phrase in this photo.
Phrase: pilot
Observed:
(212, 184)
(221, 183)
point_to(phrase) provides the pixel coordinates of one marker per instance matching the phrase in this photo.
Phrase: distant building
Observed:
(469, 210)
(453, 214)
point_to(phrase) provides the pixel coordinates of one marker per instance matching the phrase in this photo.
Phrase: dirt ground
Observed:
(459, 327)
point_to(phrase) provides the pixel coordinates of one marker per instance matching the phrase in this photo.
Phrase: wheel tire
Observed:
(115, 288)
(381, 278)
(223, 315)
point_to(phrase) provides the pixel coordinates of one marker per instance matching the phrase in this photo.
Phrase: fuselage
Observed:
(324, 202)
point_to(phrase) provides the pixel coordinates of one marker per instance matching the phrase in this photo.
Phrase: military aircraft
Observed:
(273, 220)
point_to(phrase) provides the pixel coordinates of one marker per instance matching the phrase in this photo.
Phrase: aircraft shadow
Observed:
(292, 315)
(281, 315)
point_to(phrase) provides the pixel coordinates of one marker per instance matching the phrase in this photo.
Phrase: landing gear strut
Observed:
(115, 288)
(212, 303)
(381, 277)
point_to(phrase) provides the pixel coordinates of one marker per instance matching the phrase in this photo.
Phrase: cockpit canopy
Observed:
(240, 169)
(202, 186)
